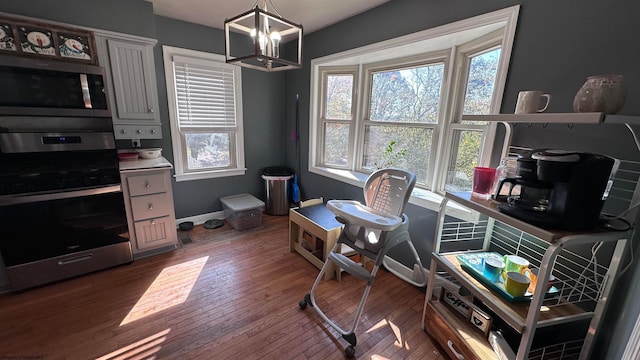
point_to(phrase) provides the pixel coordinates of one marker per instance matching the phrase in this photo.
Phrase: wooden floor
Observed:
(226, 295)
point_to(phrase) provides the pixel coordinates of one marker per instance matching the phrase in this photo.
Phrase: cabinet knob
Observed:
(150, 110)
(139, 131)
(147, 185)
(123, 131)
(150, 207)
(153, 221)
(153, 131)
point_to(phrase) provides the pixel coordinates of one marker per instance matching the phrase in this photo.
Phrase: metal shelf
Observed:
(557, 118)
(515, 314)
(490, 208)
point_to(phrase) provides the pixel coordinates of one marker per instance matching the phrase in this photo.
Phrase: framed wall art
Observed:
(36, 40)
(7, 37)
(76, 46)
(29, 38)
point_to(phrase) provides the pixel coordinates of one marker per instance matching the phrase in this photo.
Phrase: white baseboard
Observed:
(200, 219)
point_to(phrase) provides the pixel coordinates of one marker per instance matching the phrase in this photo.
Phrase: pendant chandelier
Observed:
(253, 39)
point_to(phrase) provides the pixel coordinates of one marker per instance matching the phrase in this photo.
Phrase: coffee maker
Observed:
(557, 189)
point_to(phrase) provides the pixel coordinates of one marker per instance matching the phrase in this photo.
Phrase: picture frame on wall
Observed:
(7, 37)
(77, 46)
(36, 40)
(28, 38)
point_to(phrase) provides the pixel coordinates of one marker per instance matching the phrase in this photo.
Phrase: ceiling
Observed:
(312, 14)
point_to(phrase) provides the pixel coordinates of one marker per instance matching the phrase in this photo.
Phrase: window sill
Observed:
(419, 197)
(208, 174)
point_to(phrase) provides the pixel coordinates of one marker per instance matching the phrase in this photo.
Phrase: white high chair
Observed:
(371, 229)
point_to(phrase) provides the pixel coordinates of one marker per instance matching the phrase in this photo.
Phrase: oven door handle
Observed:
(24, 199)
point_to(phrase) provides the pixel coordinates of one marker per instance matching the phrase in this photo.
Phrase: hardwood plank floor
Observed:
(227, 295)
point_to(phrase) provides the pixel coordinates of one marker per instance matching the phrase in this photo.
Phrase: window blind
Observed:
(205, 94)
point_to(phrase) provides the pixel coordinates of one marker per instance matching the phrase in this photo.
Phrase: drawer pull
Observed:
(150, 207)
(75, 259)
(457, 354)
(147, 185)
(153, 222)
(139, 131)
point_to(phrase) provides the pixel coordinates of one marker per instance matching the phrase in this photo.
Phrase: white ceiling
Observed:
(312, 14)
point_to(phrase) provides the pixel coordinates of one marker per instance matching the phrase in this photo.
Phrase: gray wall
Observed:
(558, 44)
(263, 113)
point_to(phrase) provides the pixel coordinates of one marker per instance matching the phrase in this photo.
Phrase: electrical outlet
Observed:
(135, 143)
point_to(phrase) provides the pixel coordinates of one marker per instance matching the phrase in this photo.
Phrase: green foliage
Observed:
(390, 156)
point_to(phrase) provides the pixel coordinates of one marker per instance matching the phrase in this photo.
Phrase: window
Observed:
(205, 109)
(401, 102)
(338, 86)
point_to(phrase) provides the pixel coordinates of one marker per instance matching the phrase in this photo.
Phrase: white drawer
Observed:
(130, 131)
(146, 184)
(150, 206)
(153, 132)
(154, 233)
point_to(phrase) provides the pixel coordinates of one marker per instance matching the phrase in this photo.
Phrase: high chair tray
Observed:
(472, 263)
(357, 213)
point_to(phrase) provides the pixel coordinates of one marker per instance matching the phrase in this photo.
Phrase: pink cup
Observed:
(483, 178)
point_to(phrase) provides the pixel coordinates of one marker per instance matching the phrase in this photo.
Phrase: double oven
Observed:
(62, 210)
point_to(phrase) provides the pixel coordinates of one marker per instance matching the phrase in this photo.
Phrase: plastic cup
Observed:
(483, 178)
(492, 268)
(516, 284)
(515, 263)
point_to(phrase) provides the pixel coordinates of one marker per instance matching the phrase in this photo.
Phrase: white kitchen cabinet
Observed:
(150, 211)
(131, 80)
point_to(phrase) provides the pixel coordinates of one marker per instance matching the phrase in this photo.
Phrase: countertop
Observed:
(140, 164)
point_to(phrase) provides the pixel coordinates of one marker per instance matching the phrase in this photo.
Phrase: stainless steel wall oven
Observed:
(62, 210)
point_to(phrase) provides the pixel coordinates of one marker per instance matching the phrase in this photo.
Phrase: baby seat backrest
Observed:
(388, 190)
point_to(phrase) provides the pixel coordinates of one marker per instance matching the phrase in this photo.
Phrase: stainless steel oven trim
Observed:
(62, 267)
(31, 198)
(32, 142)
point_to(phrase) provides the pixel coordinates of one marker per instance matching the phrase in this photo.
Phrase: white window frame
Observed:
(324, 73)
(449, 36)
(421, 60)
(177, 140)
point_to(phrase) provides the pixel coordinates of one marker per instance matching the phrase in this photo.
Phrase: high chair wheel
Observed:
(304, 302)
(350, 351)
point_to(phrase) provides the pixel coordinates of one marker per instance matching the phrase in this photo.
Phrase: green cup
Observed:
(516, 284)
(515, 263)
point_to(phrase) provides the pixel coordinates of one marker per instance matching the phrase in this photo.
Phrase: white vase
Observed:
(601, 93)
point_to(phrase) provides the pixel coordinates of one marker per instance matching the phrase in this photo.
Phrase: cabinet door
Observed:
(155, 233)
(133, 74)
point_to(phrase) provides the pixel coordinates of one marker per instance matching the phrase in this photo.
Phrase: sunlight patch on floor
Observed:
(170, 288)
(396, 332)
(143, 349)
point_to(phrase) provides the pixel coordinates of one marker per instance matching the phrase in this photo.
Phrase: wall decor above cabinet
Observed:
(29, 38)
